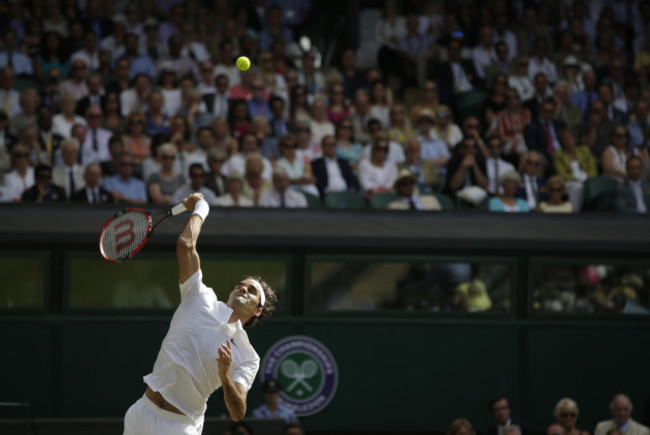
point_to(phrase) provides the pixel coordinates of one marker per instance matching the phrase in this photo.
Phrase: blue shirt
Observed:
(637, 138)
(582, 100)
(133, 188)
(282, 412)
(432, 148)
(20, 63)
(259, 108)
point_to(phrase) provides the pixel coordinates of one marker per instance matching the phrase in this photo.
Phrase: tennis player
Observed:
(206, 346)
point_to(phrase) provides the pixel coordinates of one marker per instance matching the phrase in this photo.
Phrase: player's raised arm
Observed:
(188, 258)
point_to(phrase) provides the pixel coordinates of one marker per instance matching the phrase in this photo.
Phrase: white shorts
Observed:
(145, 418)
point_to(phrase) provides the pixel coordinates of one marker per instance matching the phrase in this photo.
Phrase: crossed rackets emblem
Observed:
(299, 373)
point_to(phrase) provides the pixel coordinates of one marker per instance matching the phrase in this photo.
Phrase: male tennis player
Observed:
(205, 348)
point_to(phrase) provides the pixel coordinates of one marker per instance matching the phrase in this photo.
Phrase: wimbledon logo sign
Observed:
(305, 369)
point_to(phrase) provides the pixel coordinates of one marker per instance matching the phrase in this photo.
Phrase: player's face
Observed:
(245, 296)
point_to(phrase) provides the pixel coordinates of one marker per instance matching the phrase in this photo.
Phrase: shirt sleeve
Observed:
(192, 285)
(245, 372)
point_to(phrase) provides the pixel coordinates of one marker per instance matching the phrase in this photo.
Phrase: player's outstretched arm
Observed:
(188, 258)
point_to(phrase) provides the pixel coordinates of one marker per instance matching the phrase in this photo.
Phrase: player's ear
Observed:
(258, 313)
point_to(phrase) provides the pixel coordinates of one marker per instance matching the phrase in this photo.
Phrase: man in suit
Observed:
(48, 140)
(69, 175)
(214, 179)
(457, 75)
(621, 409)
(95, 93)
(279, 125)
(500, 409)
(606, 96)
(426, 172)
(533, 189)
(97, 137)
(332, 174)
(43, 190)
(633, 195)
(542, 93)
(93, 193)
(542, 134)
(217, 102)
(410, 199)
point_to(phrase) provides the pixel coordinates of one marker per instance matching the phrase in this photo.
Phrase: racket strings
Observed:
(124, 235)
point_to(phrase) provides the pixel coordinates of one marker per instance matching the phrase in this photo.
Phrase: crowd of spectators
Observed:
(508, 106)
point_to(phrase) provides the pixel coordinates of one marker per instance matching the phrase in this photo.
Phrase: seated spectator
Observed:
(261, 126)
(248, 144)
(499, 66)
(95, 93)
(299, 172)
(272, 408)
(511, 124)
(113, 120)
(542, 134)
(170, 91)
(621, 409)
(43, 190)
(539, 62)
(428, 100)
(425, 171)
(506, 201)
(400, 128)
(555, 202)
(163, 184)
(432, 148)
(281, 195)
(353, 78)
(69, 175)
(274, 29)
(320, 125)
(225, 65)
(124, 186)
(96, 141)
(239, 118)
(222, 138)
(377, 174)
(410, 198)
(259, 102)
(332, 173)
(533, 188)
(566, 413)
(280, 125)
(466, 169)
(51, 56)
(299, 106)
(308, 150)
(21, 176)
(136, 141)
(381, 102)
(48, 141)
(157, 120)
(7, 141)
(458, 74)
(233, 193)
(255, 185)
(597, 131)
(633, 196)
(461, 426)
(615, 156)
(584, 97)
(500, 408)
(93, 193)
(542, 92)
(215, 180)
(566, 112)
(9, 97)
(196, 185)
(497, 97)
(12, 55)
(310, 77)
(29, 102)
(346, 147)
(495, 165)
(135, 99)
(574, 164)
(76, 84)
(62, 122)
(606, 96)
(337, 107)
(445, 129)
(639, 127)
(519, 80)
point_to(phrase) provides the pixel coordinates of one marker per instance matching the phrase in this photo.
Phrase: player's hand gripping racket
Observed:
(127, 231)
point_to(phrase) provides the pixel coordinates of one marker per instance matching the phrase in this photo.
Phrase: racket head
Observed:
(124, 234)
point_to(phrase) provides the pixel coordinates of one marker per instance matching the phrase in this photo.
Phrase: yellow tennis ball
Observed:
(243, 63)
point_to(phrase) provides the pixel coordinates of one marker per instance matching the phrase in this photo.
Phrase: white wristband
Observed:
(201, 208)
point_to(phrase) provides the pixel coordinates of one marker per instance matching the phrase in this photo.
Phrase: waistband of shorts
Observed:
(166, 414)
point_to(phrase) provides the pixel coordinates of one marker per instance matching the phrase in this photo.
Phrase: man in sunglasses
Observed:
(43, 190)
(197, 179)
(533, 189)
(123, 185)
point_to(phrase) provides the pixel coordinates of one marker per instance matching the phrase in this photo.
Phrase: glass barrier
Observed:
(590, 287)
(441, 285)
(151, 282)
(23, 280)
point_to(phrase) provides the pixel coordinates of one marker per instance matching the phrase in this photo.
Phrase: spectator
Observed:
(428, 100)
(457, 74)
(320, 125)
(93, 193)
(542, 93)
(281, 195)
(585, 97)
(280, 125)
(113, 120)
(7, 141)
(432, 148)
(299, 106)
(466, 169)
(156, 117)
(572, 74)
(425, 171)
(353, 78)
(299, 173)
(116, 148)
(169, 90)
(566, 413)
(533, 188)
(519, 79)
(308, 150)
(43, 190)
(225, 65)
(254, 184)
(216, 101)
(445, 129)
(163, 184)
(9, 97)
(395, 149)
(88, 52)
(248, 144)
(76, 84)
(566, 112)
(360, 116)
(461, 426)
(410, 199)
(310, 77)
(377, 174)
(274, 29)
(21, 176)
(597, 132)
(337, 108)
(400, 128)
(221, 133)
(542, 134)
(495, 165)
(124, 186)
(506, 201)
(574, 164)
(232, 196)
(69, 175)
(239, 118)
(97, 137)
(95, 93)
(135, 99)
(273, 82)
(555, 202)
(540, 62)
(136, 141)
(633, 195)
(621, 409)
(346, 147)
(215, 180)
(639, 129)
(496, 100)
(197, 180)
(500, 64)
(62, 122)
(483, 54)
(606, 96)
(333, 173)
(504, 425)
(29, 102)
(122, 77)
(12, 56)
(615, 156)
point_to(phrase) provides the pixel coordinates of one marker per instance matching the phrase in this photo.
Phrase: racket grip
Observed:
(178, 209)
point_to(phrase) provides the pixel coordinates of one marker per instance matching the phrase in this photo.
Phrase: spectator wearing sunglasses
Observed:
(43, 190)
(163, 184)
(506, 200)
(566, 412)
(410, 199)
(299, 173)
(197, 176)
(466, 169)
(533, 187)
(377, 173)
(215, 180)
(21, 176)
(124, 186)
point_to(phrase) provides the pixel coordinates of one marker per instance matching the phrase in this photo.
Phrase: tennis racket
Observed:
(128, 230)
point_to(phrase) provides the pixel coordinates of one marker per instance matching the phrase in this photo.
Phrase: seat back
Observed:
(344, 200)
(381, 200)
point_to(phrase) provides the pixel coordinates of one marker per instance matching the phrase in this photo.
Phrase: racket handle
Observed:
(178, 209)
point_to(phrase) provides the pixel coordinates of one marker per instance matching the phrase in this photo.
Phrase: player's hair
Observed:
(269, 305)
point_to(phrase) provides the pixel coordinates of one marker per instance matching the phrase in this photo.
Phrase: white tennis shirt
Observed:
(186, 370)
